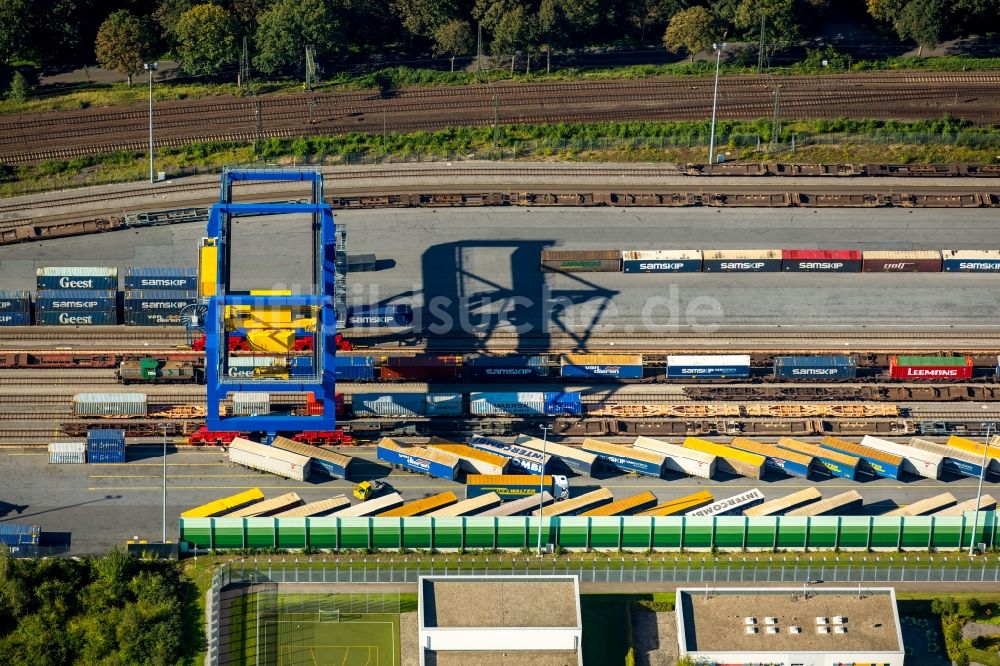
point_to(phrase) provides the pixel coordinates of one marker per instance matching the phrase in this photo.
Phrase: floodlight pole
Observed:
(151, 67)
(979, 493)
(541, 485)
(715, 100)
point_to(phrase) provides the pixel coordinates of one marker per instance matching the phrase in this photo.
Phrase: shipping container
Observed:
(68, 453)
(828, 461)
(971, 261)
(957, 461)
(516, 486)
(422, 367)
(421, 506)
(15, 535)
(627, 506)
(17, 319)
(562, 404)
(105, 446)
(730, 506)
(12, 302)
(822, 261)
(522, 459)
(223, 506)
(313, 509)
(76, 277)
(417, 459)
(479, 368)
(471, 460)
(924, 507)
(256, 366)
(335, 465)
(158, 301)
(661, 261)
(601, 366)
(911, 368)
(519, 506)
(269, 459)
(843, 503)
(679, 505)
(873, 461)
(138, 278)
(776, 458)
(77, 317)
(572, 458)
(109, 404)
(578, 504)
(371, 507)
(251, 403)
(444, 404)
(728, 366)
(823, 368)
(915, 461)
(357, 263)
(986, 503)
(389, 404)
(524, 403)
(901, 261)
(268, 507)
(680, 459)
(742, 261)
(582, 261)
(64, 300)
(473, 506)
(728, 459)
(354, 368)
(626, 458)
(148, 318)
(777, 507)
(397, 316)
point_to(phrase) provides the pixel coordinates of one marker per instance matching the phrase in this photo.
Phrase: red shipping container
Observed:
(822, 255)
(422, 367)
(921, 368)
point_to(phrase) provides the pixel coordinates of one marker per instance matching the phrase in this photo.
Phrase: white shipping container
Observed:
(714, 361)
(915, 461)
(269, 459)
(680, 458)
(68, 452)
(252, 361)
(251, 403)
(109, 404)
(661, 255)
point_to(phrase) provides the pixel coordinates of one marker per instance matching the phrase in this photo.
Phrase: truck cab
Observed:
(560, 487)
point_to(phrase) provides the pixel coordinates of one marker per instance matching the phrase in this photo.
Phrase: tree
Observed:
(924, 22)
(649, 15)
(425, 17)
(691, 29)
(19, 88)
(15, 28)
(247, 13)
(780, 21)
(452, 39)
(168, 13)
(206, 39)
(512, 32)
(551, 28)
(122, 43)
(288, 26)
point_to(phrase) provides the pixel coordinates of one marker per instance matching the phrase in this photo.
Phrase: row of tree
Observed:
(111, 610)
(208, 35)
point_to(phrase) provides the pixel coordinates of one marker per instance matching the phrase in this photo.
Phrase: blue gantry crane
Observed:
(240, 388)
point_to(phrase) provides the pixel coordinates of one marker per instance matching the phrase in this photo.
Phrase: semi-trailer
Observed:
(222, 506)
(269, 459)
(421, 506)
(915, 461)
(829, 462)
(873, 461)
(519, 506)
(680, 505)
(576, 505)
(776, 458)
(926, 506)
(572, 458)
(417, 459)
(515, 486)
(849, 501)
(522, 459)
(729, 459)
(268, 507)
(626, 506)
(626, 458)
(471, 460)
(976, 449)
(986, 503)
(320, 508)
(730, 506)
(777, 507)
(468, 507)
(371, 507)
(957, 461)
(680, 459)
(335, 465)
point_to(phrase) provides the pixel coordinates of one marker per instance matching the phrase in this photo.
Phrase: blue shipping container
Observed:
(444, 404)
(65, 300)
(149, 277)
(815, 367)
(15, 319)
(528, 461)
(383, 315)
(15, 301)
(19, 534)
(602, 370)
(492, 367)
(353, 368)
(105, 446)
(389, 404)
(417, 464)
(133, 318)
(105, 279)
(562, 403)
(77, 318)
(160, 299)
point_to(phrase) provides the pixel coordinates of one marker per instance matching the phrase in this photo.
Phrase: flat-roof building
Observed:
(800, 626)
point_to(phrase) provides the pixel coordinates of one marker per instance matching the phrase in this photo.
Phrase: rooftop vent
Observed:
(795, 630)
(751, 630)
(773, 630)
(822, 620)
(840, 619)
(770, 620)
(840, 630)
(822, 630)
(749, 621)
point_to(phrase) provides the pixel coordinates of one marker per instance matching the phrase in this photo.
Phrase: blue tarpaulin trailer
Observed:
(417, 459)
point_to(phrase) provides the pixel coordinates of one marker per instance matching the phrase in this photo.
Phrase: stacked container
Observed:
(156, 296)
(67, 452)
(105, 446)
(15, 308)
(62, 307)
(76, 278)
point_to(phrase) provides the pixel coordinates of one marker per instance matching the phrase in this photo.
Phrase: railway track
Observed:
(61, 135)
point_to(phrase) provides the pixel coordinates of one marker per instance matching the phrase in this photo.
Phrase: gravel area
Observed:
(510, 604)
(409, 639)
(979, 629)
